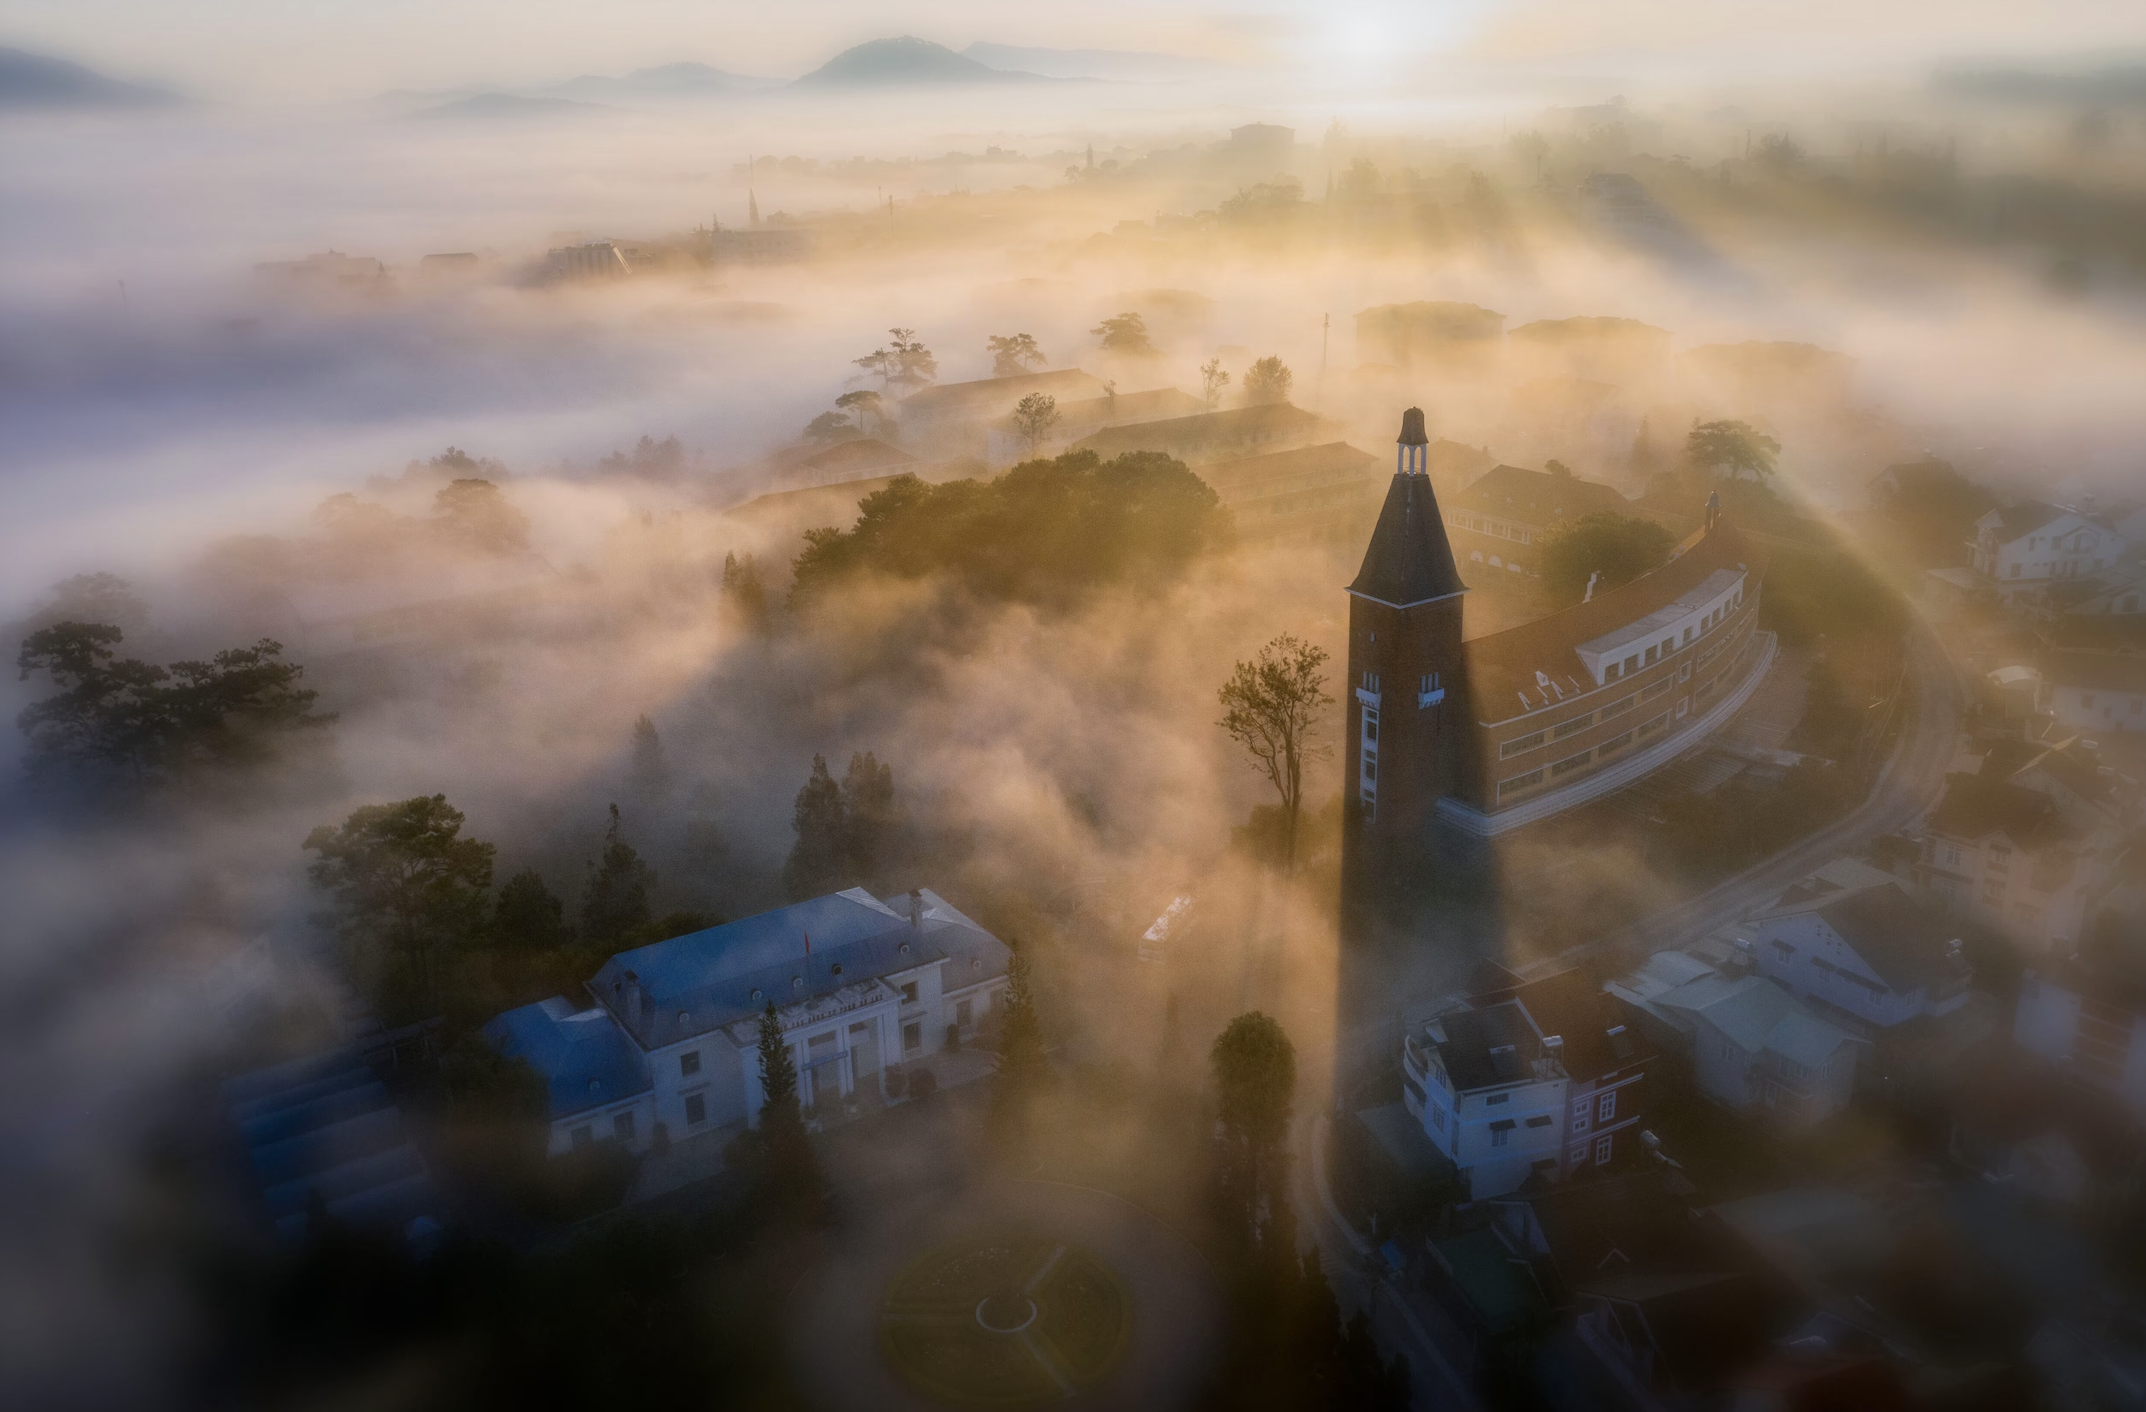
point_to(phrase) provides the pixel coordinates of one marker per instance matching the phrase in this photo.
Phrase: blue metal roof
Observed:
(701, 981)
(583, 1057)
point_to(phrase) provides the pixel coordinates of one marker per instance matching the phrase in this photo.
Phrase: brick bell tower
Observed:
(1406, 701)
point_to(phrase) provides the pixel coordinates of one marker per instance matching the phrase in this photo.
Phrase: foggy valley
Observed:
(871, 723)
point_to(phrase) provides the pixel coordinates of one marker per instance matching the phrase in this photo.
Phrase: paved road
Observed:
(1911, 780)
(1405, 1317)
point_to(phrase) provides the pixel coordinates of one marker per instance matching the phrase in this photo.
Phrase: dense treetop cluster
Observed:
(1044, 532)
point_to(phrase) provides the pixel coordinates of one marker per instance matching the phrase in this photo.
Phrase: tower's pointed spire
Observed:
(1409, 559)
(752, 208)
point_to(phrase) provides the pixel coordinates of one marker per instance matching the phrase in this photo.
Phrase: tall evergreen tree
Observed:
(790, 1171)
(744, 591)
(1255, 1072)
(406, 883)
(528, 915)
(817, 860)
(1022, 1068)
(867, 810)
(651, 770)
(616, 899)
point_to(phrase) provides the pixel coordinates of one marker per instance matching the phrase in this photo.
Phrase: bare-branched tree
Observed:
(1271, 706)
(1033, 417)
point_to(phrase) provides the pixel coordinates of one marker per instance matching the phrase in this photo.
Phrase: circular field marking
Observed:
(1005, 1321)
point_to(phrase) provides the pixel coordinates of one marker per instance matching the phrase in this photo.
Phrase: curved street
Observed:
(1408, 1320)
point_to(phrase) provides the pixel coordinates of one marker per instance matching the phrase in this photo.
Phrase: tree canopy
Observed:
(1013, 354)
(1255, 1076)
(1271, 706)
(1267, 382)
(1124, 333)
(616, 900)
(1045, 531)
(903, 361)
(1619, 548)
(405, 882)
(1033, 417)
(842, 830)
(1212, 381)
(478, 514)
(152, 723)
(1732, 448)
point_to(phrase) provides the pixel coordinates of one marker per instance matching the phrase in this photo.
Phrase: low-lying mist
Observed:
(169, 416)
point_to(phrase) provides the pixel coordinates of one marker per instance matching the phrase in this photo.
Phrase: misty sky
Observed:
(330, 49)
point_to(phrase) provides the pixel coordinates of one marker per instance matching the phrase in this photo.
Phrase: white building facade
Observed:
(865, 996)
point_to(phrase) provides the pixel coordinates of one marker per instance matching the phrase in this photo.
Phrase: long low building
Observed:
(1312, 493)
(1486, 735)
(865, 994)
(1213, 436)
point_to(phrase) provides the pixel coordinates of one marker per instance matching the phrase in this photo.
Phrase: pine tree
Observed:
(817, 860)
(616, 900)
(528, 916)
(744, 592)
(651, 771)
(790, 1171)
(1255, 1072)
(867, 811)
(1022, 1068)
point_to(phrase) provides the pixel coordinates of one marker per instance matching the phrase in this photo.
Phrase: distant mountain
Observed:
(34, 81)
(685, 80)
(885, 63)
(1122, 64)
(508, 105)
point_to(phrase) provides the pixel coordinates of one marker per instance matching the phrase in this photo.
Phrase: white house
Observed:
(1525, 1080)
(2031, 545)
(2095, 692)
(1750, 1043)
(2003, 852)
(1867, 953)
(864, 993)
(2088, 1014)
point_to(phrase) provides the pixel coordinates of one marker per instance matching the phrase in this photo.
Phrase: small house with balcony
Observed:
(1541, 1079)
(868, 996)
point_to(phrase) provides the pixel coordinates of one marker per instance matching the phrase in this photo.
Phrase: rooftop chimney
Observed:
(633, 997)
(916, 908)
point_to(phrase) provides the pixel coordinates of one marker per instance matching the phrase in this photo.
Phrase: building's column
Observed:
(844, 1065)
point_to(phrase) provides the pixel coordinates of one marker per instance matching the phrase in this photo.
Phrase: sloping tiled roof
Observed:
(1175, 434)
(698, 982)
(991, 397)
(1150, 405)
(2097, 671)
(1409, 559)
(583, 1057)
(1538, 497)
(864, 453)
(1905, 945)
(1974, 807)
(1592, 1023)
(1503, 665)
(1251, 477)
(2023, 518)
